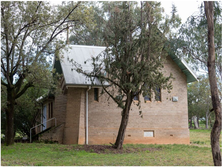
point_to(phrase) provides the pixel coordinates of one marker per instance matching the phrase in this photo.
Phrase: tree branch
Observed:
(119, 103)
(64, 19)
(28, 85)
(19, 82)
(53, 35)
(25, 26)
(3, 83)
(20, 51)
(3, 67)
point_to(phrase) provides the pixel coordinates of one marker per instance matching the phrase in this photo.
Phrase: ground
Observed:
(107, 149)
(198, 153)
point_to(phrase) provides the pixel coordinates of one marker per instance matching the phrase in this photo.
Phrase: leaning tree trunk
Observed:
(125, 117)
(9, 135)
(215, 133)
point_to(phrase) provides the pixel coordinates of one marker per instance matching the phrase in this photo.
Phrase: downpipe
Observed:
(87, 113)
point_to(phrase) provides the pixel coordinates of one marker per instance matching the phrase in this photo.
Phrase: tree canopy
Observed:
(30, 34)
(199, 99)
(90, 34)
(191, 41)
(133, 61)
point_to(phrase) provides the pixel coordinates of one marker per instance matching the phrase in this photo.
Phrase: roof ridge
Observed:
(87, 46)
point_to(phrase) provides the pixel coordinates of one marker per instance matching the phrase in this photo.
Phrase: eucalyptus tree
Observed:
(216, 130)
(134, 56)
(30, 33)
(200, 31)
(26, 111)
(192, 41)
(88, 34)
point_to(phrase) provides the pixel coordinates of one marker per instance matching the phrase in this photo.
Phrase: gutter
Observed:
(194, 77)
(87, 113)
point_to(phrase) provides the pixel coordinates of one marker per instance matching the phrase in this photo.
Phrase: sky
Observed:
(184, 8)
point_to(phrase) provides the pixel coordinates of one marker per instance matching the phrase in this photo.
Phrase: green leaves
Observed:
(134, 56)
(31, 33)
(199, 100)
(192, 41)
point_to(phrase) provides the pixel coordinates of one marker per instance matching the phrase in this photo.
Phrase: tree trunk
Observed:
(207, 120)
(207, 115)
(9, 135)
(191, 123)
(215, 133)
(195, 122)
(210, 121)
(198, 124)
(125, 117)
(215, 140)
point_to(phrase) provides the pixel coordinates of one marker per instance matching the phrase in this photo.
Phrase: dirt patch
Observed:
(106, 149)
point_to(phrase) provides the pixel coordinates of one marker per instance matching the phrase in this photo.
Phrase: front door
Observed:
(44, 117)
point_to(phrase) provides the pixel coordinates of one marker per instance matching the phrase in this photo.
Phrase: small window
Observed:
(148, 133)
(96, 94)
(158, 94)
(147, 98)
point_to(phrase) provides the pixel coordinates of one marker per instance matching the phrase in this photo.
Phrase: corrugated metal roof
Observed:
(81, 53)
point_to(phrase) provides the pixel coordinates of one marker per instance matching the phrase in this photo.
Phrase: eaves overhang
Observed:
(191, 76)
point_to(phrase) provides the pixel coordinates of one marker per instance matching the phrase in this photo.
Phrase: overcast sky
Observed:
(184, 8)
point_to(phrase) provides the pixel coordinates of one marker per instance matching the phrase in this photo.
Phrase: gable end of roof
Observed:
(191, 76)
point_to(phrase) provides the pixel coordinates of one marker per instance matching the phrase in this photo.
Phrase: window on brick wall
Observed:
(50, 110)
(96, 94)
(158, 94)
(147, 97)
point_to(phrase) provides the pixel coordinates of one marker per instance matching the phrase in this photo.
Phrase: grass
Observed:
(39, 154)
(200, 137)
